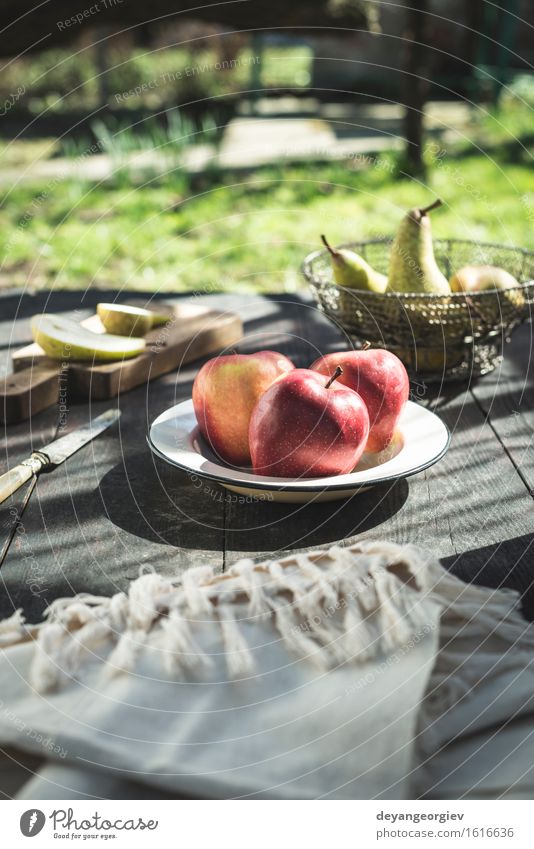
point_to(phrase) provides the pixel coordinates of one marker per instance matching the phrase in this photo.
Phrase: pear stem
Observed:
(365, 346)
(328, 247)
(427, 209)
(337, 373)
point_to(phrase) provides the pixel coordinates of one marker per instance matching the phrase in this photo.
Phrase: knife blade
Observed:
(54, 453)
(60, 449)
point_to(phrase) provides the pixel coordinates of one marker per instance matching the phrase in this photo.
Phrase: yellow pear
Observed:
(63, 339)
(353, 272)
(489, 278)
(125, 320)
(412, 264)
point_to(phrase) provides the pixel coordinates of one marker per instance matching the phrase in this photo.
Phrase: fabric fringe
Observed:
(11, 629)
(239, 660)
(329, 607)
(181, 649)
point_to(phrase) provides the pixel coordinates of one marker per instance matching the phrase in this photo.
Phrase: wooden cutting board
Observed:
(193, 331)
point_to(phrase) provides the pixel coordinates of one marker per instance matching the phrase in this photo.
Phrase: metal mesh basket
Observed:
(438, 337)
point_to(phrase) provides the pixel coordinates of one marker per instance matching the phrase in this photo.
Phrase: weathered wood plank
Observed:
(110, 510)
(506, 397)
(469, 502)
(18, 443)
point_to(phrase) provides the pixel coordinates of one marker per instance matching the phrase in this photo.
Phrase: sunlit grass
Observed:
(242, 232)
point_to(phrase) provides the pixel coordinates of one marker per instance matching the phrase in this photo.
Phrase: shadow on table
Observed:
(271, 528)
(161, 504)
(505, 564)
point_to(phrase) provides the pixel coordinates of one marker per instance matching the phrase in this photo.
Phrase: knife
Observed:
(54, 453)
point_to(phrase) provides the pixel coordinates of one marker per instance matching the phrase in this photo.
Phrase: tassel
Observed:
(322, 626)
(81, 643)
(323, 581)
(197, 596)
(45, 669)
(13, 623)
(118, 612)
(328, 607)
(282, 579)
(181, 649)
(360, 638)
(239, 661)
(145, 600)
(361, 588)
(296, 639)
(71, 609)
(124, 655)
(12, 629)
(252, 581)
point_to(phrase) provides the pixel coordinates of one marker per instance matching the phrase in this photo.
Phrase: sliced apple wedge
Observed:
(63, 339)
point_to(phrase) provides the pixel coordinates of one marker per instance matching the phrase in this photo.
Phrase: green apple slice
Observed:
(64, 339)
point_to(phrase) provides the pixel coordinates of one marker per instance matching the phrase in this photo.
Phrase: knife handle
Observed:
(15, 478)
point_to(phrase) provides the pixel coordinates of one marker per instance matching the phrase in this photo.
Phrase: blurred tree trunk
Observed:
(474, 16)
(415, 85)
(102, 63)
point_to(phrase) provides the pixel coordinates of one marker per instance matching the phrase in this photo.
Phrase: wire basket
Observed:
(437, 337)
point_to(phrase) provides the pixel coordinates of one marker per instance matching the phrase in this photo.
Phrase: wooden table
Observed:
(111, 509)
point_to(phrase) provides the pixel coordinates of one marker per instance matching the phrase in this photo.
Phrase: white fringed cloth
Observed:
(360, 672)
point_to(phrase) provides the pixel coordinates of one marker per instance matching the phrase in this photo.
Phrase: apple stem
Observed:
(427, 209)
(329, 247)
(338, 372)
(366, 345)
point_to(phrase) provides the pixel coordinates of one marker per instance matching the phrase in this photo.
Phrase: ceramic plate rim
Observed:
(262, 483)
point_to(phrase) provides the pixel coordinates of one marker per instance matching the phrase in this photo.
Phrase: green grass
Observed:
(242, 233)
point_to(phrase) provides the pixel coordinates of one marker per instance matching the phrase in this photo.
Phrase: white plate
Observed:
(422, 439)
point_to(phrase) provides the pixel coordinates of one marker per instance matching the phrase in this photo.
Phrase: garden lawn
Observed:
(242, 232)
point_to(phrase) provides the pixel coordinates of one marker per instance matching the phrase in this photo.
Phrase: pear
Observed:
(159, 318)
(412, 265)
(480, 278)
(489, 278)
(125, 320)
(353, 272)
(64, 339)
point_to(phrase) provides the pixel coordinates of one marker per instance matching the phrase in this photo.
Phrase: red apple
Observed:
(304, 426)
(381, 380)
(225, 392)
